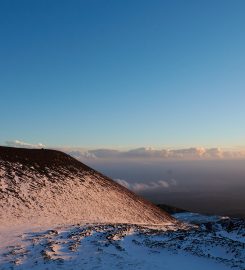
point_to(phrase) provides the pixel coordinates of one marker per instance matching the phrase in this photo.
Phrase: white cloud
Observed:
(194, 153)
(81, 155)
(105, 153)
(21, 144)
(123, 183)
(153, 185)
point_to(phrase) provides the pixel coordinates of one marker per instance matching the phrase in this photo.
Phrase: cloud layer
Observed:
(193, 153)
(21, 144)
(153, 185)
(197, 153)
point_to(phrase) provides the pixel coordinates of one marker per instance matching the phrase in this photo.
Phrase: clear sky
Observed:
(123, 73)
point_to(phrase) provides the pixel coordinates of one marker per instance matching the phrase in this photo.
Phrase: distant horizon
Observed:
(37, 143)
(178, 153)
(204, 180)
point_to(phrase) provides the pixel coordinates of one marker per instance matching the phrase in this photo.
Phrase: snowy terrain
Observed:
(57, 213)
(216, 245)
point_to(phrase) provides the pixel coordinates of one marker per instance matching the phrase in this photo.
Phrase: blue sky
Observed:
(123, 73)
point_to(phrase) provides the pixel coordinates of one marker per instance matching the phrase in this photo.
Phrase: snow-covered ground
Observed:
(196, 218)
(124, 246)
(44, 192)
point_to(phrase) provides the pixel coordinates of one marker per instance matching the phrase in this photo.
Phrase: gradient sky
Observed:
(123, 73)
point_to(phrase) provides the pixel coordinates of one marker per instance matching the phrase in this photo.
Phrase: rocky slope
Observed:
(39, 186)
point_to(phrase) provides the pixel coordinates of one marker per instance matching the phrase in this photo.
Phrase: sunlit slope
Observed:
(47, 187)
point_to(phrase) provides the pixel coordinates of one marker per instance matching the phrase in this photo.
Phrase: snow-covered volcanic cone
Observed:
(44, 187)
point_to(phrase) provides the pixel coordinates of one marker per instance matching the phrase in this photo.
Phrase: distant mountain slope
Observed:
(40, 186)
(171, 209)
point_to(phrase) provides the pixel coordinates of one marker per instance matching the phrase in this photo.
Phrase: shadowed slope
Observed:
(46, 186)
